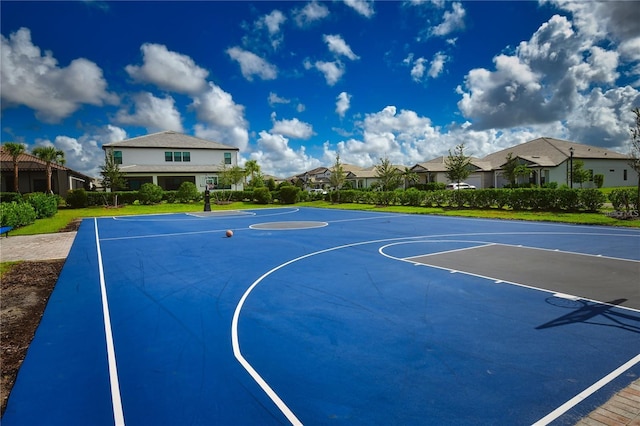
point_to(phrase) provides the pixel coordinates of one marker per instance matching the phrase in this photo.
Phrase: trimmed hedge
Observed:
(289, 194)
(77, 199)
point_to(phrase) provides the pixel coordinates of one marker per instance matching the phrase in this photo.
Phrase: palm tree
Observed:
(252, 168)
(49, 154)
(14, 149)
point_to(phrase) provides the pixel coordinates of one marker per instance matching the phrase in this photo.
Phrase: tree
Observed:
(337, 177)
(513, 169)
(410, 177)
(388, 175)
(228, 178)
(252, 169)
(112, 178)
(578, 173)
(634, 155)
(49, 154)
(458, 165)
(15, 149)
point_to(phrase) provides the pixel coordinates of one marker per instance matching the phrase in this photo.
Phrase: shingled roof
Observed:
(550, 152)
(31, 163)
(169, 139)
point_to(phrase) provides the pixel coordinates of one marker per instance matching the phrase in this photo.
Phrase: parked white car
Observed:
(318, 191)
(461, 185)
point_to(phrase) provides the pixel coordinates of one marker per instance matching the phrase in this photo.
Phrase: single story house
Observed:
(32, 176)
(435, 170)
(169, 158)
(550, 159)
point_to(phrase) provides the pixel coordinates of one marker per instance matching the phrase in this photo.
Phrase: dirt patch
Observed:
(72, 226)
(25, 292)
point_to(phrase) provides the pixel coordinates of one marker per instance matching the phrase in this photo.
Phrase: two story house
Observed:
(169, 158)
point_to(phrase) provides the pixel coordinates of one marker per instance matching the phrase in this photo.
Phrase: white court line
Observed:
(587, 392)
(443, 252)
(118, 414)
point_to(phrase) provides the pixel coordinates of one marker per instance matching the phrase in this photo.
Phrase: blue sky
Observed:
(293, 84)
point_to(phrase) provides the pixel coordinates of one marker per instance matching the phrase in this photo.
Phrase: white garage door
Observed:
(474, 180)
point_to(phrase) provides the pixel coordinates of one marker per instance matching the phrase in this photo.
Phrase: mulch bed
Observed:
(25, 290)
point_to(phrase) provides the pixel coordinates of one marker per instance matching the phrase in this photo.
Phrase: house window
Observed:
(168, 156)
(227, 158)
(624, 174)
(117, 157)
(177, 156)
(186, 156)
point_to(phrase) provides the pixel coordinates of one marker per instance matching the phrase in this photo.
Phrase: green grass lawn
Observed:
(66, 216)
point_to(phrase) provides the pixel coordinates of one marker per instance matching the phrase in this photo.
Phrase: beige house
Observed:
(169, 158)
(436, 171)
(548, 159)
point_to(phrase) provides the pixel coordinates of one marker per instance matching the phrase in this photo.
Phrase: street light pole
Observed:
(571, 167)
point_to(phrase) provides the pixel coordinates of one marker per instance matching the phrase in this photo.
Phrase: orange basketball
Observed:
(229, 233)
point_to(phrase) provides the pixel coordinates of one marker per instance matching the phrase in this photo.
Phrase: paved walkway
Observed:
(36, 247)
(622, 409)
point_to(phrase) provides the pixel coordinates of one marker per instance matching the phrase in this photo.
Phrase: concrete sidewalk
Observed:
(36, 247)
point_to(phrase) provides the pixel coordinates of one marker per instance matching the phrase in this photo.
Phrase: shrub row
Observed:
(542, 199)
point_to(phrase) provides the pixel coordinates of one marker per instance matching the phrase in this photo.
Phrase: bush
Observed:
(262, 195)
(150, 193)
(187, 192)
(16, 214)
(568, 199)
(45, 205)
(624, 199)
(8, 197)
(412, 197)
(289, 194)
(598, 180)
(591, 199)
(77, 199)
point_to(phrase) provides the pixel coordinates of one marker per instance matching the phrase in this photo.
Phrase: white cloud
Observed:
(418, 69)
(275, 99)
(251, 64)
(168, 70)
(451, 21)
(363, 7)
(277, 158)
(293, 128)
(338, 46)
(310, 13)
(332, 71)
(85, 154)
(559, 81)
(29, 78)
(223, 119)
(343, 103)
(437, 64)
(152, 113)
(273, 22)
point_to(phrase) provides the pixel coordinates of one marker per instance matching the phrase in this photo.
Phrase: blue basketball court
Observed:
(316, 316)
